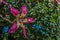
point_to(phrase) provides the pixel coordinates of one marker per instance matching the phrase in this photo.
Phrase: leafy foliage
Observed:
(45, 12)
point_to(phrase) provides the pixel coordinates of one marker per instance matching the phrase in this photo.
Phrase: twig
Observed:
(5, 19)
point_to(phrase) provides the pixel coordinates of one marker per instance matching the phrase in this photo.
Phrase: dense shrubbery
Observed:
(46, 14)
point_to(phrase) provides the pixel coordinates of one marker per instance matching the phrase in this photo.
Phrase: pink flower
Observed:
(13, 28)
(24, 9)
(14, 11)
(30, 20)
(2, 1)
(58, 1)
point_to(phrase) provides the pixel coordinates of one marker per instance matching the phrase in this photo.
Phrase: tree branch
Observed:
(5, 19)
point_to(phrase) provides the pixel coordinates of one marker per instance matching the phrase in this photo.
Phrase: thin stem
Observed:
(5, 19)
